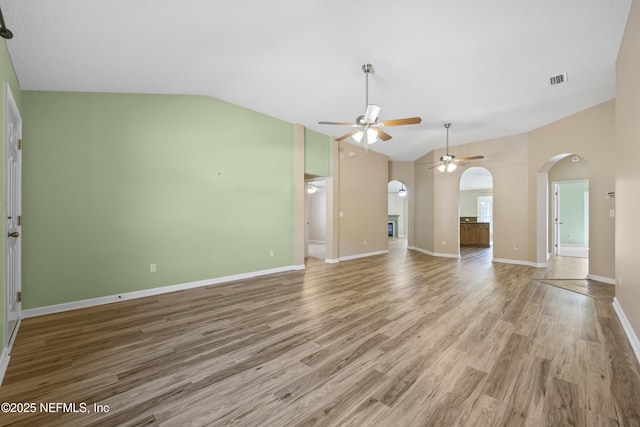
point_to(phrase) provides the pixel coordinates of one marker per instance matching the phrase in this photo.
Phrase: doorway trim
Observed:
(557, 221)
(13, 199)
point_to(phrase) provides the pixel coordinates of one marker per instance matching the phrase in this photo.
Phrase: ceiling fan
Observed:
(367, 125)
(449, 162)
(4, 31)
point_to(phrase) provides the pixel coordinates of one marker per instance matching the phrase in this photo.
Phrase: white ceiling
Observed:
(484, 66)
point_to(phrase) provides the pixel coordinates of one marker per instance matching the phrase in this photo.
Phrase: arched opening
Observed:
(475, 209)
(398, 211)
(563, 217)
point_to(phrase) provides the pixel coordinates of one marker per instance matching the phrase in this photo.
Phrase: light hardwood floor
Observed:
(400, 339)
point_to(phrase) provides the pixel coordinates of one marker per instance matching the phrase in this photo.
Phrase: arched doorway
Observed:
(563, 217)
(475, 209)
(398, 211)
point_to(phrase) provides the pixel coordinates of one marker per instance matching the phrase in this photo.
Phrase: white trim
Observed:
(607, 280)
(4, 363)
(6, 352)
(443, 255)
(424, 251)
(40, 311)
(332, 260)
(299, 267)
(628, 329)
(349, 257)
(437, 254)
(520, 262)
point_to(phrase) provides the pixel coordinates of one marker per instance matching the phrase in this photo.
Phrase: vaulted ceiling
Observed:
(484, 66)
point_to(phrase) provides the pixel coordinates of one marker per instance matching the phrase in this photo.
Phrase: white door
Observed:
(13, 215)
(556, 219)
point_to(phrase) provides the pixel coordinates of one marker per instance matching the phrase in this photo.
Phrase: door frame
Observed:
(555, 209)
(12, 108)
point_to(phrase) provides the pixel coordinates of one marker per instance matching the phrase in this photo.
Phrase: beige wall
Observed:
(588, 134)
(437, 206)
(362, 201)
(568, 170)
(627, 153)
(515, 161)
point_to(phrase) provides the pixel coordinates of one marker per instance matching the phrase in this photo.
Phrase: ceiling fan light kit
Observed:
(368, 127)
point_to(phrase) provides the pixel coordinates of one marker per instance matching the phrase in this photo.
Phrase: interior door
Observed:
(13, 215)
(557, 223)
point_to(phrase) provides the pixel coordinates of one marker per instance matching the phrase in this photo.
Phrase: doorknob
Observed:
(14, 234)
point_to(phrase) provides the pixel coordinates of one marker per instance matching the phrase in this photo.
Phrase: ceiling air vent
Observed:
(559, 79)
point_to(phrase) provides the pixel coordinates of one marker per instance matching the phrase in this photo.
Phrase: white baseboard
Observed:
(520, 262)
(41, 311)
(332, 260)
(606, 280)
(348, 257)
(299, 267)
(438, 254)
(4, 363)
(628, 329)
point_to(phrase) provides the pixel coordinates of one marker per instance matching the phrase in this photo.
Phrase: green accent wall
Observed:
(7, 75)
(116, 182)
(572, 212)
(317, 153)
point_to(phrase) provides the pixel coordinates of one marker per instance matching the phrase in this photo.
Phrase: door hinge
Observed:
(19, 296)
(19, 219)
(20, 144)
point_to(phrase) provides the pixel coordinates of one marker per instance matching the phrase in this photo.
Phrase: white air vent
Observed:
(559, 79)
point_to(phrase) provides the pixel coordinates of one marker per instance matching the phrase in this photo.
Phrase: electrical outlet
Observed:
(444, 243)
(271, 253)
(152, 268)
(515, 248)
(365, 243)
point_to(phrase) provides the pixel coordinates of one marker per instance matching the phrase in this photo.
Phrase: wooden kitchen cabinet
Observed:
(474, 234)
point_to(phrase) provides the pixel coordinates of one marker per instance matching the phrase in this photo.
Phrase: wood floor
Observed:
(402, 339)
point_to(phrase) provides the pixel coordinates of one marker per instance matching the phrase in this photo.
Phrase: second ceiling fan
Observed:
(449, 162)
(368, 128)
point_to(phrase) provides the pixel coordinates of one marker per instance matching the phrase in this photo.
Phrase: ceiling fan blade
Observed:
(347, 135)
(401, 122)
(428, 163)
(372, 113)
(464, 159)
(382, 134)
(335, 123)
